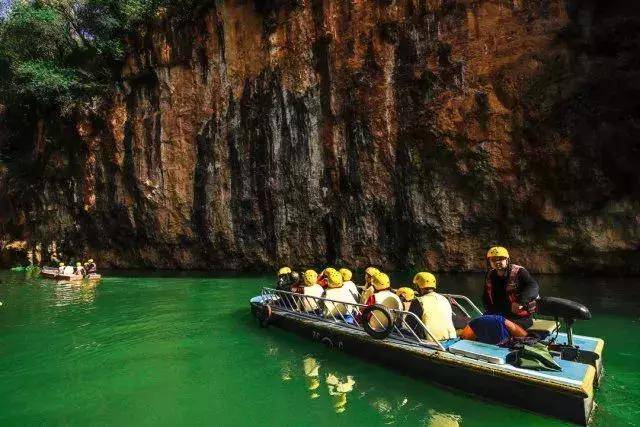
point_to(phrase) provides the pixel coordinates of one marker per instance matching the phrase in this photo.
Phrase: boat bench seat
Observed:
(543, 325)
(477, 350)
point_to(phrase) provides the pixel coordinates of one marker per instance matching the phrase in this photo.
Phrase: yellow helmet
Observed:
(406, 292)
(90, 261)
(346, 274)
(334, 278)
(498, 251)
(78, 264)
(381, 282)
(283, 270)
(61, 264)
(371, 271)
(424, 280)
(310, 277)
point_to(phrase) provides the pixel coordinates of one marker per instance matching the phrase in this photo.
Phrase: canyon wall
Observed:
(400, 133)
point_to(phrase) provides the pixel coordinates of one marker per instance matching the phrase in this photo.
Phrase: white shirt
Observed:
(341, 294)
(310, 304)
(352, 288)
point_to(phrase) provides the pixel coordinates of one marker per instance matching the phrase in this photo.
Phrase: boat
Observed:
(54, 273)
(476, 368)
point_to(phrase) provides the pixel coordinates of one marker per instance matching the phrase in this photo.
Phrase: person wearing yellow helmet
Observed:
(61, 268)
(284, 270)
(347, 283)
(509, 289)
(79, 270)
(312, 290)
(368, 287)
(343, 304)
(432, 308)
(383, 295)
(322, 277)
(288, 280)
(406, 295)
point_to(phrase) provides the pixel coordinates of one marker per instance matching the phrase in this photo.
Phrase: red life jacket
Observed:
(511, 290)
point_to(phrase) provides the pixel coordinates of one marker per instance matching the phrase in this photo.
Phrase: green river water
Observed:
(172, 349)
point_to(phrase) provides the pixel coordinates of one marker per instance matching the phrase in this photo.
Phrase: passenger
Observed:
(347, 283)
(285, 280)
(322, 277)
(368, 287)
(336, 292)
(90, 267)
(509, 289)
(492, 329)
(311, 289)
(432, 308)
(61, 268)
(406, 295)
(383, 296)
(68, 270)
(79, 270)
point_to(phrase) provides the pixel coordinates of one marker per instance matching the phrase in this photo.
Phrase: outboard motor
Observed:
(569, 311)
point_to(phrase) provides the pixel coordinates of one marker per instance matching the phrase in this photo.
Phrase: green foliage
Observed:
(57, 52)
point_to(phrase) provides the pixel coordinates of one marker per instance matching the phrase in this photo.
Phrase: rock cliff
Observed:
(310, 132)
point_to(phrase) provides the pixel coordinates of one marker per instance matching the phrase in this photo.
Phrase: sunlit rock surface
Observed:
(399, 133)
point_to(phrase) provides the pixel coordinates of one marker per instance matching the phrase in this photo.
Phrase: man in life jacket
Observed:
(432, 308)
(368, 285)
(347, 283)
(311, 289)
(509, 289)
(343, 304)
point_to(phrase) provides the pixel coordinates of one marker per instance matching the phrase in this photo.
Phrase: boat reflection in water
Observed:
(68, 293)
(391, 410)
(338, 389)
(337, 386)
(438, 419)
(311, 376)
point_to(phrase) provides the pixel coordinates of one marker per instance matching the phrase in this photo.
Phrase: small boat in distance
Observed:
(54, 273)
(474, 367)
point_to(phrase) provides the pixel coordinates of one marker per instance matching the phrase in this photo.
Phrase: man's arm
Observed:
(528, 288)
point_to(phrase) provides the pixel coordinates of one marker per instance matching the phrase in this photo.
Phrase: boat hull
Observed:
(569, 403)
(52, 273)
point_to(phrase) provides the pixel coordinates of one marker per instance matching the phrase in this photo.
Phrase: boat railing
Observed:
(350, 315)
(464, 303)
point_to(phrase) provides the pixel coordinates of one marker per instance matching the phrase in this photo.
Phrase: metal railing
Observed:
(349, 315)
(453, 299)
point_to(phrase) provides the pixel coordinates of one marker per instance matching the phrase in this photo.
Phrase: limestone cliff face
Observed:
(399, 133)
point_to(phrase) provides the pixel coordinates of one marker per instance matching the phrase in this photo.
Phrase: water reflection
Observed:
(438, 419)
(311, 374)
(338, 390)
(339, 393)
(66, 293)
